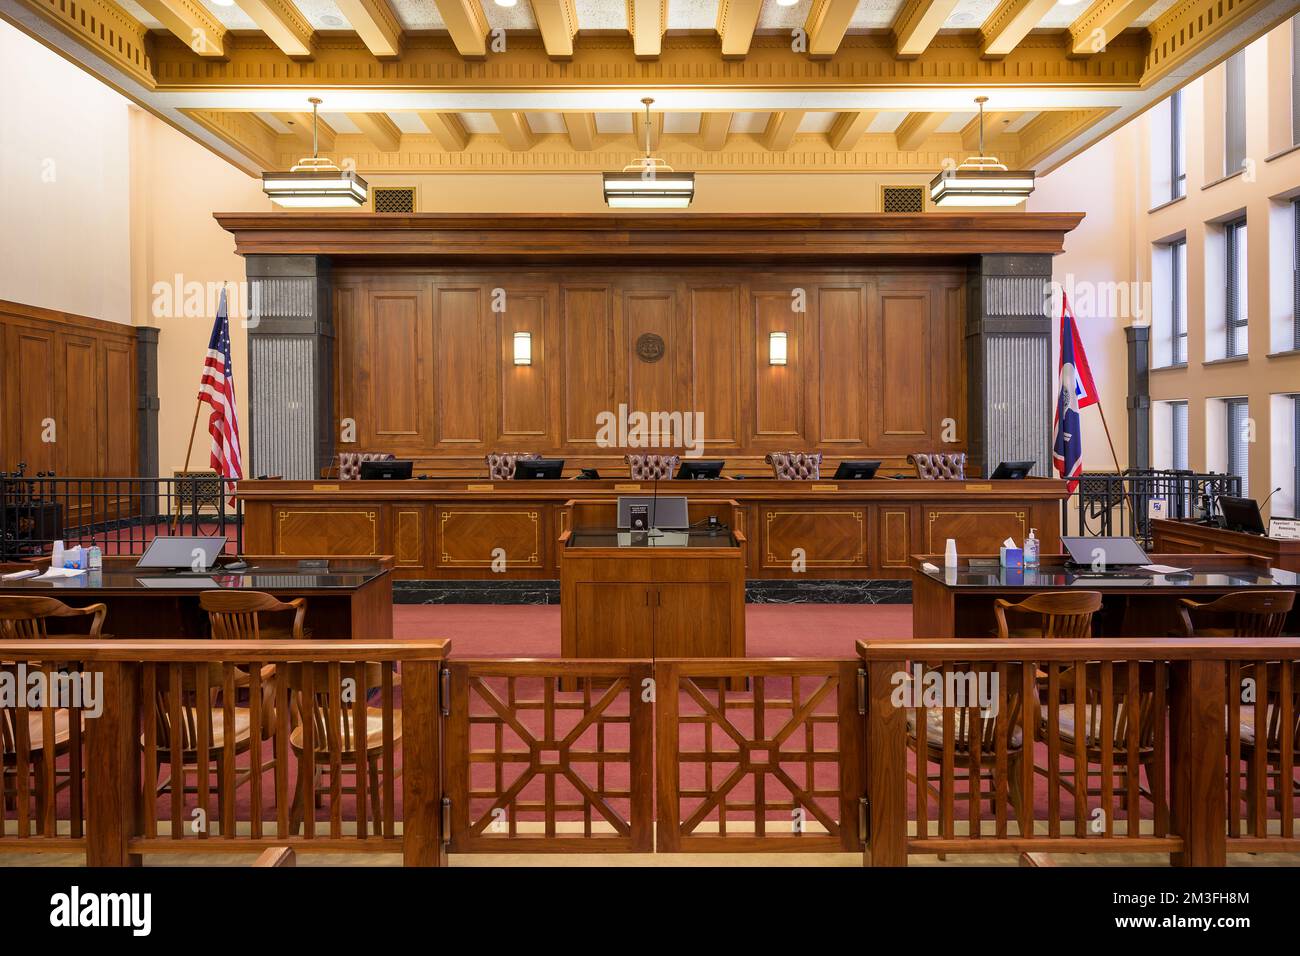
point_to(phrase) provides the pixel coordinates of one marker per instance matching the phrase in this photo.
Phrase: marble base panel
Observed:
(756, 592)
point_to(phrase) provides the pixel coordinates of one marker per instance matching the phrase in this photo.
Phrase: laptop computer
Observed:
(1107, 554)
(180, 553)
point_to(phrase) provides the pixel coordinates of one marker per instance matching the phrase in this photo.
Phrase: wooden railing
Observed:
(221, 746)
(1164, 738)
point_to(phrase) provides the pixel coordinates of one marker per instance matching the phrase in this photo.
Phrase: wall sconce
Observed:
(777, 343)
(523, 348)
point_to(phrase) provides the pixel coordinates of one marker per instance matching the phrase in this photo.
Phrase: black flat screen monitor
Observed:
(643, 512)
(531, 469)
(701, 469)
(391, 470)
(1013, 469)
(1242, 514)
(1108, 553)
(856, 470)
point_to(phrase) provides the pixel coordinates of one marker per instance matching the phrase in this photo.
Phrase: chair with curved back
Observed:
(23, 618)
(1238, 614)
(652, 467)
(236, 615)
(940, 465)
(1061, 614)
(795, 465)
(349, 462)
(501, 465)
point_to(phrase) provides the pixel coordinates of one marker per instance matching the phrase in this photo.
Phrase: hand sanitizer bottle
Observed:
(1031, 549)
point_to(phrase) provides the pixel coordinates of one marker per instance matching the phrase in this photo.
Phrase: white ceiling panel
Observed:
(270, 120)
(340, 123)
(322, 14)
(692, 14)
(478, 122)
(969, 14)
(817, 122)
(518, 17)
(749, 122)
(682, 123)
(418, 15)
(886, 121)
(603, 14)
(545, 122)
(1020, 122)
(614, 122)
(407, 122)
(955, 122)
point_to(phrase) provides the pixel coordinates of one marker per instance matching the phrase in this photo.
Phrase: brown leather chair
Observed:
(1239, 614)
(349, 463)
(795, 465)
(940, 465)
(501, 465)
(652, 467)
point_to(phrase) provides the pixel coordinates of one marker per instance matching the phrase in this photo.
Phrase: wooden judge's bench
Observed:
(445, 529)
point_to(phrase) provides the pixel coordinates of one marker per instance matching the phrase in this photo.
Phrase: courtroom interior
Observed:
(671, 432)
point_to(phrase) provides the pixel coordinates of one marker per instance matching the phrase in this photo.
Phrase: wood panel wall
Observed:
(426, 372)
(77, 372)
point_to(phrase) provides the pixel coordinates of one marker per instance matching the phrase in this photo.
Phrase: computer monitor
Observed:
(1013, 469)
(1242, 514)
(177, 552)
(1109, 552)
(701, 469)
(643, 512)
(390, 469)
(532, 469)
(856, 470)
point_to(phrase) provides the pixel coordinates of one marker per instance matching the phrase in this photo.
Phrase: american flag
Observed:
(217, 388)
(1076, 391)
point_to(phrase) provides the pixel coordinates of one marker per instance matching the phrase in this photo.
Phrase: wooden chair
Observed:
(337, 736)
(1062, 614)
(1239, 614)
(1280, 710)
(236, 615)
(23, 618)
(39, 749)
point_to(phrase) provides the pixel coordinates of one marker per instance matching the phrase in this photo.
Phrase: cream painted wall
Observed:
(64, 198)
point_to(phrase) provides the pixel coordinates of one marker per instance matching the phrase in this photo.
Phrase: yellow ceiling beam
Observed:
(283, 23)
(1009, 23)
(781, 127)
(447, 129)
(1104, 20)
(300, 128)
(514, 129)
(647, 20)
(917, 23)
(994, 126)
(582, 130)
(848, 129)
(467, 24)
(376, 24)
(379, 129)
(1050, 130)
(192, 22)
(916, 129)
(736, 22)
(827, 22)
(714, 129)
(558, 22)
(244, 132)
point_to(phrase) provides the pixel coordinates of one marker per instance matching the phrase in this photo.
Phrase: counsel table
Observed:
(958, 602)
(351, 598)
(1192, 537)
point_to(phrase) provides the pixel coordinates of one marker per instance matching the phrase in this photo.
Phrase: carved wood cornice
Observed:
(647, 237)
(105, 28)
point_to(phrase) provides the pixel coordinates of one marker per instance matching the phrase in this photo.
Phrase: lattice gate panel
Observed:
(532, 768)
(775, 767)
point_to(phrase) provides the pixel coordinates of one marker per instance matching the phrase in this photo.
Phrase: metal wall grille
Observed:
(1017, 392)
(284, 297)
(283, 428)
(1234, 113)
(394, 198)
(902, 199)
(1238, 414)
(1235, 319)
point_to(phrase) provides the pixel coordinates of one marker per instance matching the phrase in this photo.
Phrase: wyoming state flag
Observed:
(1075, 391)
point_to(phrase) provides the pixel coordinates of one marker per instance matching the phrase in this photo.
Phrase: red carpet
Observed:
(771, 630)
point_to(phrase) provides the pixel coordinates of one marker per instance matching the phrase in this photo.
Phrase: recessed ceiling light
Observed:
(506, 3)
(224, 3)
(786, 3)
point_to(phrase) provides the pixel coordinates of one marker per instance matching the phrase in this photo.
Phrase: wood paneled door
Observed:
(426, 367)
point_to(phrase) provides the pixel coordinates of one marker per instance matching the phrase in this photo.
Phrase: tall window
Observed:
(1178, 301)
(1234, 113)
(1295, 81)
(1295, 274)
(1295, 456)
(1177, 167)
(1234, 311)
(1178, 436)
(1238, 411)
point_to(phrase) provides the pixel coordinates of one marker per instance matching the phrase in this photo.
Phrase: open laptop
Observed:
(179, 553)
(1110, 555)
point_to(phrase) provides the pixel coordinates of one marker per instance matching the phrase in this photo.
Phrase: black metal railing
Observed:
(1109, 503)
(118, 515)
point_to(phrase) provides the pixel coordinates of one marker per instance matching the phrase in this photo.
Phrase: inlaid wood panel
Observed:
(325, 531)
(894, 531)
(79, 431)
(408, 537)
(473, 536)
(903, 348)
(32, 398)
(778, 391)
(393, 365)
(587, 358)
(842, 365)
(524, 389)
(826, 537)
(652, 384)
(977, 529)
(118, 376)
(459, 376)
(716, 349)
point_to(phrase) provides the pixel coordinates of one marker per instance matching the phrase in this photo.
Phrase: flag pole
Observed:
(189, 447)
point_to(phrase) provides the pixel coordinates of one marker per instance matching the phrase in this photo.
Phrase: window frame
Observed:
(1232, 464)
(1175, 407)
(1177, 163)
(1236, 318)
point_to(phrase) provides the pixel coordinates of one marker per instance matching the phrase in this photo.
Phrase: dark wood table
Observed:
(1192, 537)
(952, 603)
(352, 598)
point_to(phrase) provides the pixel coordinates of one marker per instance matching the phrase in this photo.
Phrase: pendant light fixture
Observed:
(649, 183)
(315, 181)
(981, 180)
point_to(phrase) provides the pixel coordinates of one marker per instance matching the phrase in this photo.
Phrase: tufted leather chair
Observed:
(795, 465)
(652, 467)
(350, 462)
(940, 465)
(501, 465)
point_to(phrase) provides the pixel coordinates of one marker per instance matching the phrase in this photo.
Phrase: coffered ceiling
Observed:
(555, 85)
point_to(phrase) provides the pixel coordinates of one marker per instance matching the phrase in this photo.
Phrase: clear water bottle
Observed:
(1031, 549)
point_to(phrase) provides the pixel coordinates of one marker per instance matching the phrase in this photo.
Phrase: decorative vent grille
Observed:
(394, 198)
(902, 199)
